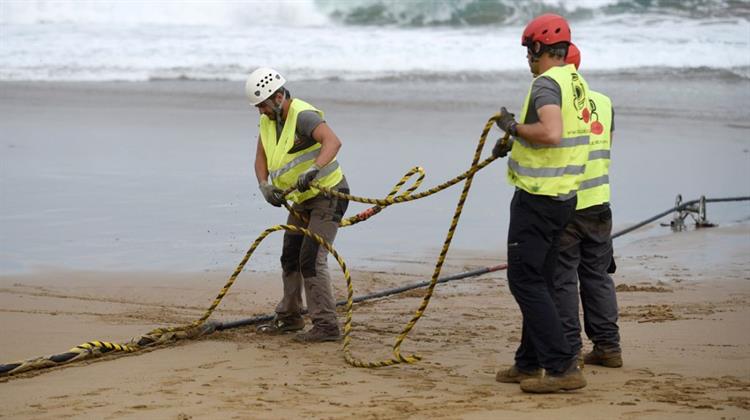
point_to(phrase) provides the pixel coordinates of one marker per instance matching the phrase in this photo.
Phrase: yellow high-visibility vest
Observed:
(284, 168)
(594, 188)
(555, 170)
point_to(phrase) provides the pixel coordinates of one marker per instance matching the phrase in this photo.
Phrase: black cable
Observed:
(477, 272)
(374, 295)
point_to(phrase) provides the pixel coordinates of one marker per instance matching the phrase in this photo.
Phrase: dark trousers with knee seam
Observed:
(305, 262)
(536, 223)
(585, 257)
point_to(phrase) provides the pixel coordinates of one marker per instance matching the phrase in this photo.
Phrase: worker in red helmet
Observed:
(547, 160)
(574, 56)
(586, 246)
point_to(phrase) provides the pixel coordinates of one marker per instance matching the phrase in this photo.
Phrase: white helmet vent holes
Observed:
(266, 80)
(262, 83)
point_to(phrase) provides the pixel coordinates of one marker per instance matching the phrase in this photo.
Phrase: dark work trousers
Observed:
(585, 256)
(536, 223)
(305, 262)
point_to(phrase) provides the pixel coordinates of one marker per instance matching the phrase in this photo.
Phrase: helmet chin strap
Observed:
(278, 109)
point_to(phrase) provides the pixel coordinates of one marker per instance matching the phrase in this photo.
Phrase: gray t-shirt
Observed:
(307, 121)
(544, 91)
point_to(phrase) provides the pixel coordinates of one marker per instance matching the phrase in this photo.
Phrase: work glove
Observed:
(507, 122)
(271, 194)
(502, 147)
(305, 178)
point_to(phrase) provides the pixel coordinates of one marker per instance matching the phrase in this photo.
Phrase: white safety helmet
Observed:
(262, 83)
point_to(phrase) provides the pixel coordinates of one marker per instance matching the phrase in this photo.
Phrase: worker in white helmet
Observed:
(296, 148)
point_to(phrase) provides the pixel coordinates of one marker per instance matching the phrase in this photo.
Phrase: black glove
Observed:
(305, 178)
(271, 194)
(502, 147)
(507, 122)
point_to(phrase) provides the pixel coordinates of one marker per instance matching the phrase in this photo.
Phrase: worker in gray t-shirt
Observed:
(296, 152)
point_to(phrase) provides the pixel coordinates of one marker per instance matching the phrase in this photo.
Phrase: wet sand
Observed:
(158, 176)
(683, 323)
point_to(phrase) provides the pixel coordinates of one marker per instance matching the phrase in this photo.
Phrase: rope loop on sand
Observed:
(201, 327)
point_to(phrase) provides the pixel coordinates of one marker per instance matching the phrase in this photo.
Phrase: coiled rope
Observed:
(201, 327)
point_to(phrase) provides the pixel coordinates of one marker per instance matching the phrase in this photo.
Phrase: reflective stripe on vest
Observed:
(546, 172)
(598, 154)
(284, 168)
(565, 142)
(594, 189)
(593, 182)
(555, 170)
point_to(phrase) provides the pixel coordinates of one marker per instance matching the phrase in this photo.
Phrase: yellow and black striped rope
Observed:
(392, 198)
(105, 345)
(200, 327)
(364, 215)
(468, 175)
(97, 348)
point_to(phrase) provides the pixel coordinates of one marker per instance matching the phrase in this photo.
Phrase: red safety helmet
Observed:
(574, 56)
(547, 29)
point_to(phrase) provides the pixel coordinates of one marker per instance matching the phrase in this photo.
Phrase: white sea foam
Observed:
(106, 40)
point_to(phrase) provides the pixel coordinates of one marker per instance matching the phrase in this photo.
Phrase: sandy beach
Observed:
(683, 323)
(126, 206)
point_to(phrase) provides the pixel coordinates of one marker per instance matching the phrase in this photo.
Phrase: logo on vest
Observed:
(579, 97)
(596, 127)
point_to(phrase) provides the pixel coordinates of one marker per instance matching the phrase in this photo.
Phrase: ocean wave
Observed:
(235, 74)
(300, 13)
(133, 50)
(492, 12)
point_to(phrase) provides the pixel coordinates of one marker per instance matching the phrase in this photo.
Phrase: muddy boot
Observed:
(567, 381)
(319, 334)
(580, 360)
(281, 325)
(597, 356)
(514, 375)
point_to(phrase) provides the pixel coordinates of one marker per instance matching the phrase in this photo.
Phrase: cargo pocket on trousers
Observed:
(612, 266)
(514, 253)
(340, 206)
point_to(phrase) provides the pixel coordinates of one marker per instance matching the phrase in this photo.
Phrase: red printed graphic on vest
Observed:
(597, 128)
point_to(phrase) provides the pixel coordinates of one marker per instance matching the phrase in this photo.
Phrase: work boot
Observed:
(281, 325)
(514, 375)
(319, 334)
(580, 360)
(597, 356)
(567, 381)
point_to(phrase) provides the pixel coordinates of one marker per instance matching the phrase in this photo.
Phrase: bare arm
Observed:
(548, 130)
(330, 144)
(261, 164)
